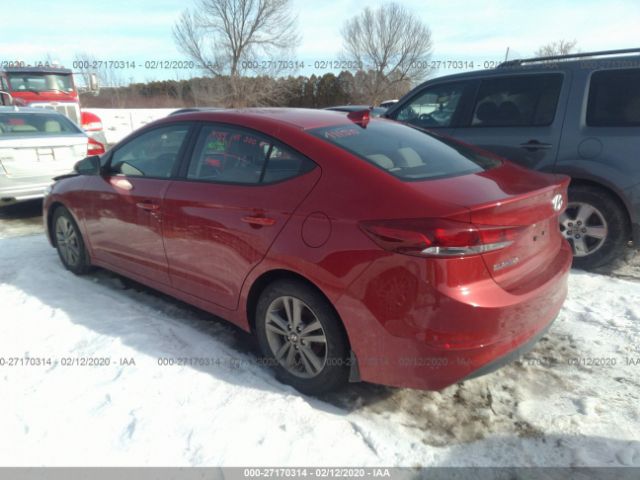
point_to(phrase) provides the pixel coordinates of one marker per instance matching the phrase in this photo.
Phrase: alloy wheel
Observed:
(585, 227)
(296, 337)
(67, 241)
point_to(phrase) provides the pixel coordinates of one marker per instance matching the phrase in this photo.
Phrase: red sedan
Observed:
(354, 248)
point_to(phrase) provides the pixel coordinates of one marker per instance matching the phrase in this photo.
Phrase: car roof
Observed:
(533, 65)
(302, 118)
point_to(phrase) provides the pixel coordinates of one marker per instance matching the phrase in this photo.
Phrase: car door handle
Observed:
(533, 145)
(148, 206)
(259, 221)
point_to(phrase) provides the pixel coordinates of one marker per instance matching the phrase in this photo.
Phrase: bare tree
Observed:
(560, 47)
(83, 63)
(230, 38)
(86, 64)
(390, 41)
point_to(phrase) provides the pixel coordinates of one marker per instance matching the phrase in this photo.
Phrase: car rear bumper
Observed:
(438, 335)
(511, 356)
(14, 190)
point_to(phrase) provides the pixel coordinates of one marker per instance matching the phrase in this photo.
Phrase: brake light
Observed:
(94, 147)
(439, 237)
(360, 117)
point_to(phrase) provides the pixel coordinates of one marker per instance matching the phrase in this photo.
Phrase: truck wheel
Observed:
(596, 226)
(302, 337)
(69, 243)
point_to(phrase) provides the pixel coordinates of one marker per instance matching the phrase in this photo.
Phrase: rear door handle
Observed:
(148, 205)
(259, 221)
(534, 145)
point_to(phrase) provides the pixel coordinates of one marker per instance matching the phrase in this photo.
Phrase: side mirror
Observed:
(93, 83)
(5, 98)
(88, 166)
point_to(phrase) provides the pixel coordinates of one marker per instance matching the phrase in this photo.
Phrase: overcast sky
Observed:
(462, 30)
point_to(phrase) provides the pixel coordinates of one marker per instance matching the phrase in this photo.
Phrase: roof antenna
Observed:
(506, 55)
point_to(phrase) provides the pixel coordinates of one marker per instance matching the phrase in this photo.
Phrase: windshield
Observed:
(406, 152)
(39, 82)
(14, 124)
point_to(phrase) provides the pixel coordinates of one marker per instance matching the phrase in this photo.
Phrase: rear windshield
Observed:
(34, 124)
(406, 152)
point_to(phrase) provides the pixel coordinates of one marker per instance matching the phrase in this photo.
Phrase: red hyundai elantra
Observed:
(354, 248)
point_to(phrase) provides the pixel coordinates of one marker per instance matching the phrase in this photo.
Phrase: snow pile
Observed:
(555, 407)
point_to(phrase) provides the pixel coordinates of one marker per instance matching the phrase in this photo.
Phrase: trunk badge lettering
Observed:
(507, 263)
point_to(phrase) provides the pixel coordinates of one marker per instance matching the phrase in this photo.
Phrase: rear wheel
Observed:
(302, 337)
(69, 242)
(596, 226)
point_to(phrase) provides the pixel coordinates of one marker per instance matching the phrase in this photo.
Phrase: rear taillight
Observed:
(94, 147)
(90, 121)
(439, 237)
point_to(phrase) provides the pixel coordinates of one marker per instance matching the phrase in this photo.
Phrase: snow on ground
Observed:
(120, 122)
(628, 268)
(572, 401)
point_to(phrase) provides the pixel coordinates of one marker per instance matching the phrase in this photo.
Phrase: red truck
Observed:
(49, 87)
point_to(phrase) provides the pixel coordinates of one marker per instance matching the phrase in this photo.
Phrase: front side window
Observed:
(614, 99)
(152, 154)
(434, 107)
(229, 155)
(406, 152)
(35, 124)
(523, 100)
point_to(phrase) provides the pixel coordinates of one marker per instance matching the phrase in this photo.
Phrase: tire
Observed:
(596, 226)
(69, 242)
(323, 370)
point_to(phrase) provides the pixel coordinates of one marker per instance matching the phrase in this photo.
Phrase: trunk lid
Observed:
(38, 156)
(511, 196)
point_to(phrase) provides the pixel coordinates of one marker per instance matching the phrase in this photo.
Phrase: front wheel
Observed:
(69, 243)
(596, 226)
(302, 337)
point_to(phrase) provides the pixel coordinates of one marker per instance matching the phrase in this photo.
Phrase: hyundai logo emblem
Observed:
(557, 202)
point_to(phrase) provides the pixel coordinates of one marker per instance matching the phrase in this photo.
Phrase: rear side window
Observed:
(614, 99)
(519, 101)
(284, 163)
(406, 152)
(232, 155)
